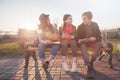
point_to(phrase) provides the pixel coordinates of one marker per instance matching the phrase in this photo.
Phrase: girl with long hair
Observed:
(68, 37)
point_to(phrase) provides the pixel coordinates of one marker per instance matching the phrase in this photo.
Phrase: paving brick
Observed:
(13, 69)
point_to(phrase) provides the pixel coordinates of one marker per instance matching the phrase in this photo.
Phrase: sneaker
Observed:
(45, 65)
(26, 66)
(65, 67)
(99, 59)
(74, 67)
(111, 66)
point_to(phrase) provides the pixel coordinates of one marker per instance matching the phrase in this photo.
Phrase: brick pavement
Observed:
(13, 69)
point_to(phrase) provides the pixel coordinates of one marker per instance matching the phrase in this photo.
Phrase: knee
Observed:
(41, 45)
(83, 46)
(63, 44)
(57, 46)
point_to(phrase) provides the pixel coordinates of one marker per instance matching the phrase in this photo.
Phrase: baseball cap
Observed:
(43, 16)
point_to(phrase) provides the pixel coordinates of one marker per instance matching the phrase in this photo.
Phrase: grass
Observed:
(9, 49)
(116, 45)
(12, 48)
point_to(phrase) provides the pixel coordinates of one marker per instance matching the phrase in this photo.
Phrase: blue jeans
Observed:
(42, 47)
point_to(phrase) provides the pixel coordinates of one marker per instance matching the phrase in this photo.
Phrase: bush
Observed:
(116, 45)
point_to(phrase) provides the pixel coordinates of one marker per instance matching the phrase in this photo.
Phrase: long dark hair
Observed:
(65, 17)
(43, 23)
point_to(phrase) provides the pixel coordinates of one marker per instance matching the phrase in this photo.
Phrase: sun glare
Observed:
(30, 27)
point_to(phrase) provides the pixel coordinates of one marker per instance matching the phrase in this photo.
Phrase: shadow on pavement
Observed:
(49, 77)
(97, 76)
(37, 74)
(76, 75)
(25, 74)
(102, 76)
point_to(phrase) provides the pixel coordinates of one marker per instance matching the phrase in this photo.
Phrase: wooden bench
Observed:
(48, 49)
(34, 49)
